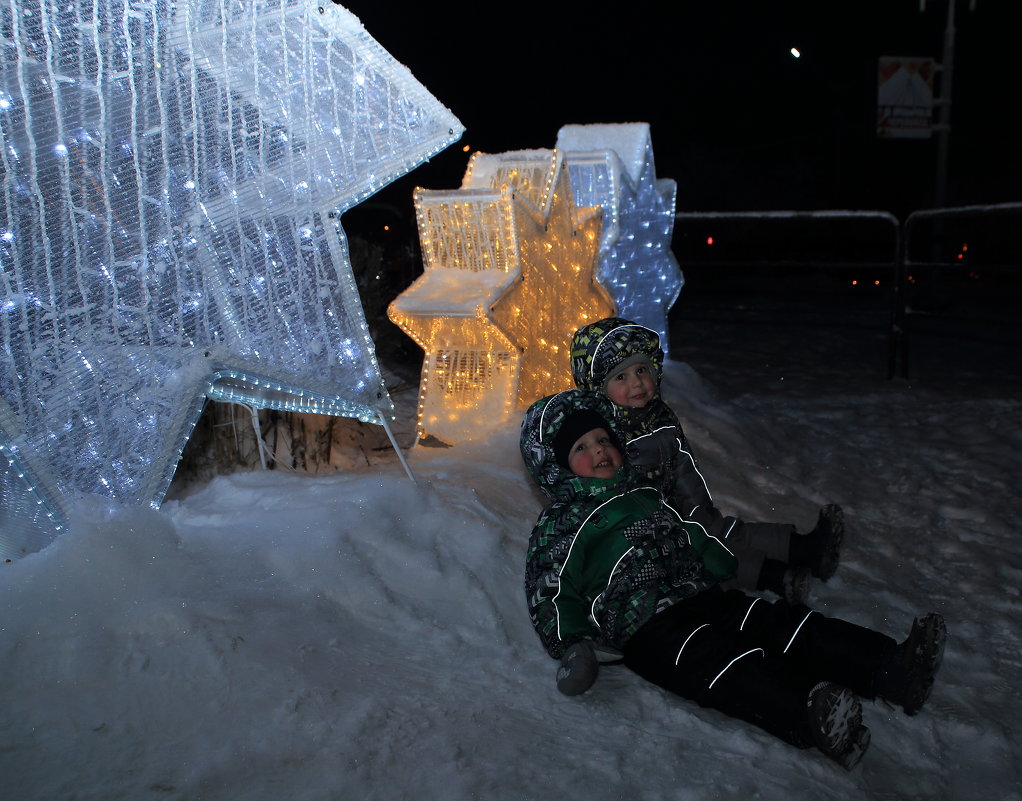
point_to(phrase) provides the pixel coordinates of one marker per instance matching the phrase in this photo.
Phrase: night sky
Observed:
(735, 119)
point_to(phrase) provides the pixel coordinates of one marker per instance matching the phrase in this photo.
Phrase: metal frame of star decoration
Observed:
(611, 165)
(508, 278)
(172, 179)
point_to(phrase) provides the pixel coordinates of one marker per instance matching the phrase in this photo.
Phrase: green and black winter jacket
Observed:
(606, 554)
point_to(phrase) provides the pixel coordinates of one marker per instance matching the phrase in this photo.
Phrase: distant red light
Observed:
(709, 240)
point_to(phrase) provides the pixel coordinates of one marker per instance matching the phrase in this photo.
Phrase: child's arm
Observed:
(651, 450)
(661, 452)
(559, 613)
(690, 494)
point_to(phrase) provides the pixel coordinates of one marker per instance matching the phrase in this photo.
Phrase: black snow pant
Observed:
(753, 659)
(752, 543)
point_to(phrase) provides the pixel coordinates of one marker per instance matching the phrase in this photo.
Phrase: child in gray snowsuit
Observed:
(612, 564)
(624, 361)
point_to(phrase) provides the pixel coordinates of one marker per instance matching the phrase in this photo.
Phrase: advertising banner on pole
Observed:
(904, 97)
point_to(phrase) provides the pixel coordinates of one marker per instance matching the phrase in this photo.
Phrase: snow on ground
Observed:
(354, 636)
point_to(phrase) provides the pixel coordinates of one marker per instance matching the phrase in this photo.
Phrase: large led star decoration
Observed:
(508, 277)
(556, 292)
(173, 177)
(470, 256)
(612, 166)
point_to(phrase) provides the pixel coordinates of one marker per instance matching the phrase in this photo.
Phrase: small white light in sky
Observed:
(795, 53)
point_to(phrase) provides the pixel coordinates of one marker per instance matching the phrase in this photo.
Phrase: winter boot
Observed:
(906, 676)
(820, 549)
(796, 585)
(789, 582)
(835, 723)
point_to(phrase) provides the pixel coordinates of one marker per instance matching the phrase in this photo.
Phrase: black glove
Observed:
(578, 669)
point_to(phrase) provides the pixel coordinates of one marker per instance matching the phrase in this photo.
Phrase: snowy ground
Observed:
(281, 636)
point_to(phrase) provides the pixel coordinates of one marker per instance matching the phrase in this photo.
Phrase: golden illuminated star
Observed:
(508, 277)
(556, 291)
(470, 368)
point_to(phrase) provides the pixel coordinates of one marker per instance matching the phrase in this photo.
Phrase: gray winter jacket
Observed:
(657, 448)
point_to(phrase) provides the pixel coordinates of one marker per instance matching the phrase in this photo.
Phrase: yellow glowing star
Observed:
(508, 277)
(470, 256)
(556, 291)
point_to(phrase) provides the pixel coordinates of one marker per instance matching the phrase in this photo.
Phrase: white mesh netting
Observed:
(173, 175)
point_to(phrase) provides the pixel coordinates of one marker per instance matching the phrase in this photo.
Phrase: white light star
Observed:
(174, 210)
(612, 166)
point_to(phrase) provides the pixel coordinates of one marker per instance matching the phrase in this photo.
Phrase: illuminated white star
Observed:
(173, 182)
(612, 166)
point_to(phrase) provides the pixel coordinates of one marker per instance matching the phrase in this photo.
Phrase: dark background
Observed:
(735, 119)
(740, 125)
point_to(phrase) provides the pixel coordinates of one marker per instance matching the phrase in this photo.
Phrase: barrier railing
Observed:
(946, 248)
(819, 240)
(878, 242)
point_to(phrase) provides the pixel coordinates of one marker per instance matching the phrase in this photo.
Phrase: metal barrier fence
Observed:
(902, 258)
(935, 246)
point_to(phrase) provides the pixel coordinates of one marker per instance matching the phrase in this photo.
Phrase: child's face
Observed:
(594, 456)
(633, 387)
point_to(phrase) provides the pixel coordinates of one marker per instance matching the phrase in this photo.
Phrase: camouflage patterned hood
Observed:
(542, 421)
(598, 348)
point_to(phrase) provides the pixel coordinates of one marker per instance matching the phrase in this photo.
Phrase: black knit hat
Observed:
(574, 426)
